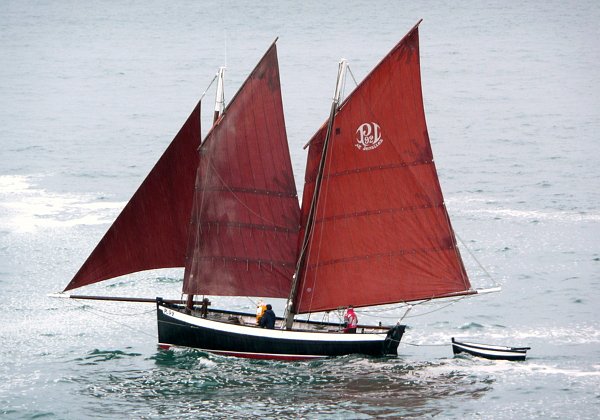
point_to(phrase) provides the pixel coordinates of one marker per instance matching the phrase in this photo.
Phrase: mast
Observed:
(219, 108)
(291, 304)
(220, 95)
(244, 229)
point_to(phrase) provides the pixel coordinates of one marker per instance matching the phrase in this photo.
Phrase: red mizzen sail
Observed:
(381, 233)
(246, 215)
(152, 230)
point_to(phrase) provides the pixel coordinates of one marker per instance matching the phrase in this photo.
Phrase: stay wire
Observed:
(369, 313)
(440, 308)
(351, 75)
(237, 198)
(423, 345)
(208, 87)
(97, 312)
(324, 193)
(198, 209)
(476, 260)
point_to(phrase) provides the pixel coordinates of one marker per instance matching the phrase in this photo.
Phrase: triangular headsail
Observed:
(246, 214)
(152, 230)
(381, 233)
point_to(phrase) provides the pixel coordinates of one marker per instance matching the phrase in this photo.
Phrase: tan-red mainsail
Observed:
(380, 233)
(246, 213)
(152, 230)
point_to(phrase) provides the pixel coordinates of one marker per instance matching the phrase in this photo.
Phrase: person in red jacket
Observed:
(350, 320)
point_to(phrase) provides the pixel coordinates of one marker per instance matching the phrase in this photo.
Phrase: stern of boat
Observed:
(392, 340)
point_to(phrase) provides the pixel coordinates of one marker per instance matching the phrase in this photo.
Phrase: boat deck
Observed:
(249, 320)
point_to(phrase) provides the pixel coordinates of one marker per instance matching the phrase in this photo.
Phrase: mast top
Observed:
(343, 66)
(220, 94)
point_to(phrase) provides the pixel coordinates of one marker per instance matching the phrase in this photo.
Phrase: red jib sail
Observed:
(246, 213)
(381, 233)
(152, 230)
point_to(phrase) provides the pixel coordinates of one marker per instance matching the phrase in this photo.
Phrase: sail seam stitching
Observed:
(377, 212)
(380, 255)
(371, 169)
(249, 226)
(246, 260)
(284, 194)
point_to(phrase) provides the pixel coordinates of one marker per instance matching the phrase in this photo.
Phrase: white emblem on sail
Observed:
(368, 136)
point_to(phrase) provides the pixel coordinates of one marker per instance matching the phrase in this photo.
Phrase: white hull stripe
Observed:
(488, 347)
(278, 334)
(490, 352)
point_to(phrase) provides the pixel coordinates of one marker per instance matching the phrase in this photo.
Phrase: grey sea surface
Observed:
(91, 93)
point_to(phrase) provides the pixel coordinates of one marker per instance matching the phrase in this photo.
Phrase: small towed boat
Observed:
(490, 352)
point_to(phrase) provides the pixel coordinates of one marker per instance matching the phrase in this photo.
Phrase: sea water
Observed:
(91, 93)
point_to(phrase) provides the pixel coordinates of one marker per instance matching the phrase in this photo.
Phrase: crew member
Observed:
(350, 320)
(268, 318)
(260, 310)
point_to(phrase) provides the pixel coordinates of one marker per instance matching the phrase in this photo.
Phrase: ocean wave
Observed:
(474, 365)
(471, 326)
(26, 208)
(575, 334)
(97, 355)
(475, 206)
(565, 216)
(555, 370)
(578, 334)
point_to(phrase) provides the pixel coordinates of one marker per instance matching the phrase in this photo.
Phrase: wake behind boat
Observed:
(373, 228)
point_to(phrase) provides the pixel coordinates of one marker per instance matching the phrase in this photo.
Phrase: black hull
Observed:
(490, 352)
(178, 329)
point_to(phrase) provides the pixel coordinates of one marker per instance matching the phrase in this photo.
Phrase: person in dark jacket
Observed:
(268, 318)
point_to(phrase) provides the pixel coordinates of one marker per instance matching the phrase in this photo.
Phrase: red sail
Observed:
(152, 230)
(381, 233)
(246, 214)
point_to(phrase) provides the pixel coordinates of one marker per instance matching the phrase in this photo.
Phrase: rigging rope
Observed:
(97, 313)
(208, 87)
(368, 315)
(424, 345)
(438, 309)
(198, 209)
(476, 260)
(255, 303)
(324, 166)
(216, 173)
(351, 75)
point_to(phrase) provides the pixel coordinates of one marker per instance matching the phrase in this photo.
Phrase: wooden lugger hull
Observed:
(176, 328)
(489, 351)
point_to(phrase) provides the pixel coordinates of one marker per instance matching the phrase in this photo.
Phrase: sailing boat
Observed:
(373, 228)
